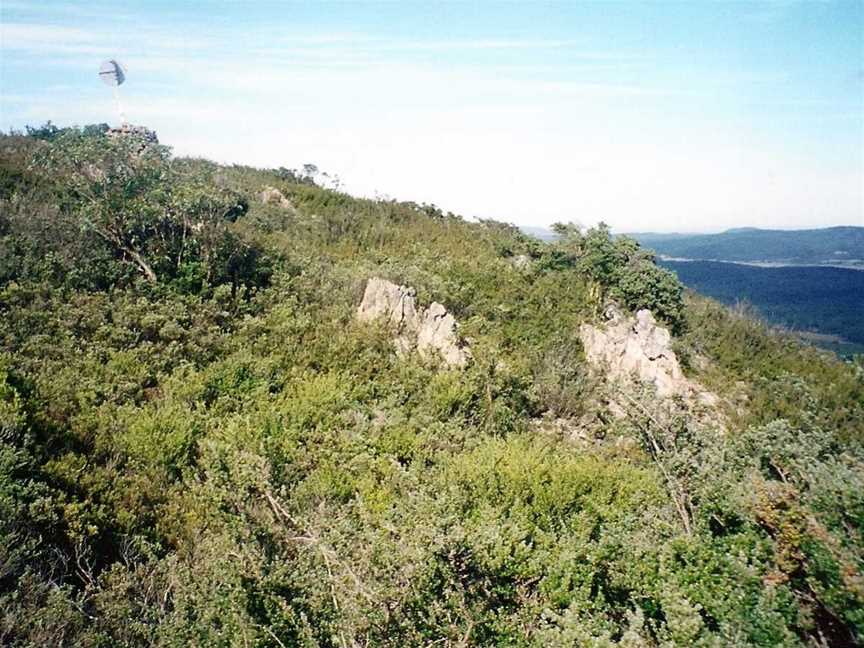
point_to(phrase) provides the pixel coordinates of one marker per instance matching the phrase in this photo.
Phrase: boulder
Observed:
(272, 196)
(638, 348)
(384, 299)
(521, 262)
(437, 335)
(432, 332)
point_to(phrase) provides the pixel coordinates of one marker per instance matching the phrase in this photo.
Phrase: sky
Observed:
(650, 116)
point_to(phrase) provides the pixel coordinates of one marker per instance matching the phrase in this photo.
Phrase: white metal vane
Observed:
(113, 74)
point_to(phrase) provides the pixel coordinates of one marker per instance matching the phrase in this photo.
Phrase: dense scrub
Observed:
(214, 453)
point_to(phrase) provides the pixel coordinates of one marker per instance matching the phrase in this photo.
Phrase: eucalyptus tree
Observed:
(154, 214)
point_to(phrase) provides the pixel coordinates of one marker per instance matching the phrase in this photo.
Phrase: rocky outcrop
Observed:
(433, 332)
(140, 137)
(521, 262)
(437, 335)
(272, 196)
(384, 300)
(639, 349)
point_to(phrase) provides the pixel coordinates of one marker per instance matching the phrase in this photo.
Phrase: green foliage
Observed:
(644, 285)
(620, 269)
(160, 217)
(225, 457)
(773, 374)
(47, 131)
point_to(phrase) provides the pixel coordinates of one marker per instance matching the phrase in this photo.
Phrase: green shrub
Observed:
(225, 456)
(624, 271)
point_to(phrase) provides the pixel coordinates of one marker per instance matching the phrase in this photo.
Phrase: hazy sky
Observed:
(648, 115)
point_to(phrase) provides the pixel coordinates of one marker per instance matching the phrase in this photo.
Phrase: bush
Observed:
(163, 219)
(622, 270)
(642, 284)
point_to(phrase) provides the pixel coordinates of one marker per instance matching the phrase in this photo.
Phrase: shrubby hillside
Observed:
(201, 445)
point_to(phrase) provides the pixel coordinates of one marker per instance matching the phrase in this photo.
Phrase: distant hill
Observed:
(829, 246)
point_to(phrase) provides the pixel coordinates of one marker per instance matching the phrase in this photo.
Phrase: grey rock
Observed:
(521, 261)
(437, 335)
(433, 332)
(612, 313)
(638, 348)
(396, 304)
(272, 196)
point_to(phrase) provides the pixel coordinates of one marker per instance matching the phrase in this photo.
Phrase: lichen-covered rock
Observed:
(432, 332)
(272, 196)
(387, 300)
(437, 335)
(638, 348)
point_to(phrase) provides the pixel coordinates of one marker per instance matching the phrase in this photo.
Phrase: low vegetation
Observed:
(200, 446)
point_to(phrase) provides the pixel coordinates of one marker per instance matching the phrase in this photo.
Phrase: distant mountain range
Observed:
(838, 246)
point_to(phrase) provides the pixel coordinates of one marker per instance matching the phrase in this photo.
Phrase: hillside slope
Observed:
(202, 444)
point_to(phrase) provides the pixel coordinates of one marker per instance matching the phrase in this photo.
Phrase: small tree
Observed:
(601, 257)
(620, 268)
(46, 131)
(117, 192)
(154, 214)
(569, 234)
(200, 210)
(642, 284)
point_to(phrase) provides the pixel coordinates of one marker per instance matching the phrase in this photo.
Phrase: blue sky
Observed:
(649, 115)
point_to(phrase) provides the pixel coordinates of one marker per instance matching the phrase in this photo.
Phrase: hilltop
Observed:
(240, 409)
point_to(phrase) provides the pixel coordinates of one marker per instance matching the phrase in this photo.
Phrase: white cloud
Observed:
(25, 36)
